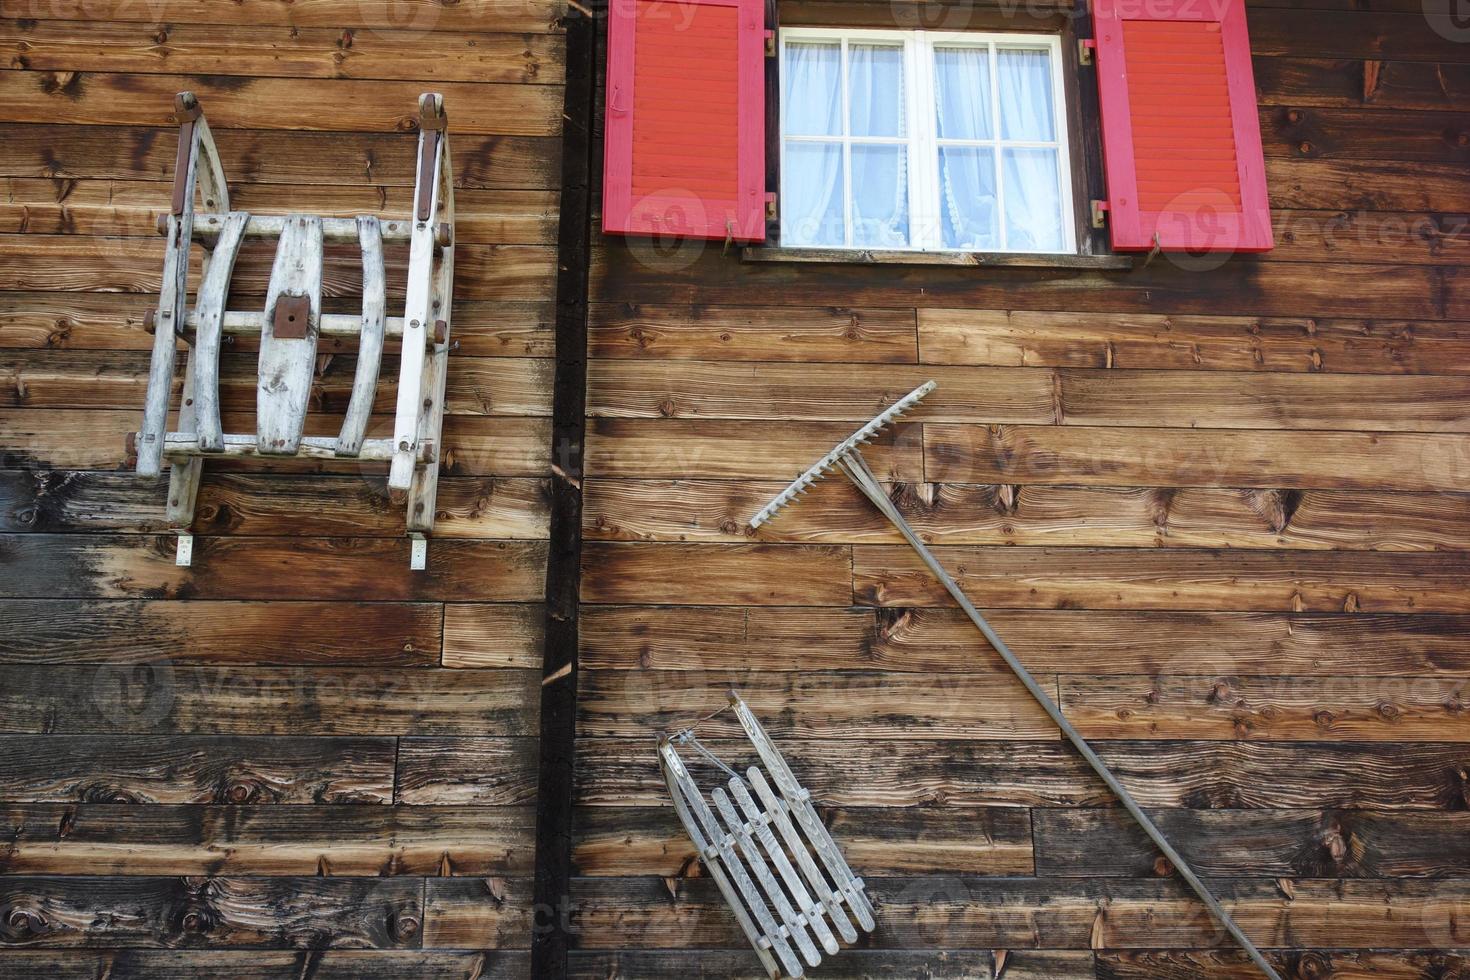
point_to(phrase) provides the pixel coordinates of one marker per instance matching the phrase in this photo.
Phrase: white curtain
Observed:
(880, 194)
(1032, 187)
(811, 173)
(967, 204)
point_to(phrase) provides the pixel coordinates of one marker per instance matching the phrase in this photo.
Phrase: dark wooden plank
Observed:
(757, 333)
(833, 512)
(1377, 185)
(1425, 35)
(817, 704)
(467, 771)
(124, 566)
(493, 635)
(1257, 843)
(1047, 640)
(334, 964)
(1259, 458)
(1360, 708)
(1296, 129)
(261, 913)
(1192, 343)
(67, 439)
(631, 841)
(163, 698)
(1342, 82)
(273, 156)
(753, 574)
(59, 631)
(623, 772)
(684, 448)
(971, 260)
(1224, 964)
(291, 52)
(968, 912)
(535, 16)
(368, 841)
(487, 913)
(268, 504)
(195, 769)
(853, 964)
(96, 98)
(1114, 578)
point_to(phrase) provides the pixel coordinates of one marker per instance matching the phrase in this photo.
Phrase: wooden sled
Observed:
(769, 853)
(290, 325)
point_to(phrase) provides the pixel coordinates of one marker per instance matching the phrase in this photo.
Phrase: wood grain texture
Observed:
(482, 913)
(1263, 843)
(892, 575)
(466, 771)
(1226, 965)
(334, 964)
(853, 964)
(492, 635)
(537, 15)
(268, 841)
(756, 333)
(82, 911)
(751, 574)
(833, 512)
(195, 769)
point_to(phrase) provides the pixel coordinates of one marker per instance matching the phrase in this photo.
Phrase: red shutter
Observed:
(1181, 132)
(685, 132)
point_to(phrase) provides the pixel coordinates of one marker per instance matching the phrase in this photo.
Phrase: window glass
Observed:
(962, 93)
(875, 90)
(1025, 94)
(811, 98)
(880, 200)
(812, 187)
(968, 207)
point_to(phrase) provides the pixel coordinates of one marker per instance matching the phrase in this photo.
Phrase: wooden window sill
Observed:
(992, 260)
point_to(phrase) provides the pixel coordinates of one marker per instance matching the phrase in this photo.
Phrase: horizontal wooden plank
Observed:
(386, 841)
(419, 15)
(754, 574)
(503, 386)
(1123, 456)
(814, 704)
(69, 439)
(1015, 338)
(84, 264)
(973, 912)
(493, 635)
(195, 769)
(833, 512)
(123, 566)
(483, 913)
(1259, 843)
(1224, 964)
(1345, 82)
(98, 98)
(334, 964)
(632, 841)
(1421, 36)
(163, 698)
(466, 771)
(1061, 641)
(114, 321)
(1202, 774)
(261, 913)
(688, 448)
(755, 333)
(130, 208)
(293, 52)
(379, 634)
(276, 156)
(1358, 707)
(853, 964)
(1291, 127)
(1376, 185)
(1240, 285)
(813, 393)
(1123, 578)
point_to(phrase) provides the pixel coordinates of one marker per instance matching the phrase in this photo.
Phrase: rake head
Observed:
(800, 485)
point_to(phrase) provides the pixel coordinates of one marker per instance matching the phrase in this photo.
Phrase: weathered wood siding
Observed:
(322, 752)
(1221, 512)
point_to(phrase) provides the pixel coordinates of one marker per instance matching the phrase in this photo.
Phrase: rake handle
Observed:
(856, 468)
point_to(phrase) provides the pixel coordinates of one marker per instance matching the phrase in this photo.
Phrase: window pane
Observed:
(880, 202)
(962, 93)
(876, 96)
(811, 194)
(811, 101)
(1025, 94)
(1033, 201)
(967, 203)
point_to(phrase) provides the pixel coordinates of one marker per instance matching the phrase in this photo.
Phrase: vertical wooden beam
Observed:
(551, 926)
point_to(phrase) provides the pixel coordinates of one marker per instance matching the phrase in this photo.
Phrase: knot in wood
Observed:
(196, 921)
(24, 922)
(240, 792)
(404, 926)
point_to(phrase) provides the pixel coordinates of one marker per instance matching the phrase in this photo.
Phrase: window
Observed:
(924, 140)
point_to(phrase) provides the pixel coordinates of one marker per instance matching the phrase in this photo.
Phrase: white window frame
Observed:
(926, 230)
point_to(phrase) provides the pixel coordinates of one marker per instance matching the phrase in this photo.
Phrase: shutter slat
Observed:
(685, 132)
(1181, 130)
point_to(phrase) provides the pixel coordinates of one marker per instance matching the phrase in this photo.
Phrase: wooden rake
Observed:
(784, 912)
(846, 456)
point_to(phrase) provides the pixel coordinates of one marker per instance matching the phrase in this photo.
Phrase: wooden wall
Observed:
(1221, 512)
(296, 758)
